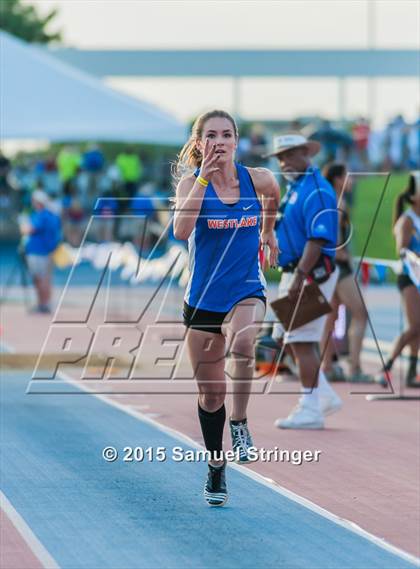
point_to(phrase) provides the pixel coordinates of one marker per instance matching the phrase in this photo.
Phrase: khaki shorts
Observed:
(312, 331)
(39, 265)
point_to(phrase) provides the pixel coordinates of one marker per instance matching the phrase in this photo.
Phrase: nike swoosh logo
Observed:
(248, 207)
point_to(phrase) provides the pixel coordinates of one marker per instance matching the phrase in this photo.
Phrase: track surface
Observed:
(64, 501)
(88, 513)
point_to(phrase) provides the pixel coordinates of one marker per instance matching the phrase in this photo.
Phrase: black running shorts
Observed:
(208, 320)
(403, 281)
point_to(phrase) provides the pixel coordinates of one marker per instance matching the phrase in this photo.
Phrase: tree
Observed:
(23, 21)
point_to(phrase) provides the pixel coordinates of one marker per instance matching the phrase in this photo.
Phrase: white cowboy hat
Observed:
(286, 141)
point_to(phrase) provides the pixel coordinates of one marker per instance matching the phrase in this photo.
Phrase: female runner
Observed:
(219, 204)
(346, 292)
(407, 236)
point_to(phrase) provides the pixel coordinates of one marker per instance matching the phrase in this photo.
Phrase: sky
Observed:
(219, 24)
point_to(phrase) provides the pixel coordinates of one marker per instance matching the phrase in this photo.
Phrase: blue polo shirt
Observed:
(309, 211)
(46, 235)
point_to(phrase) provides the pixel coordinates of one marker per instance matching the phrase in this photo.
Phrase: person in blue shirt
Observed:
(307, 237)
(43, 232)
(146, 229)
(225, 211)
(93, 159)
(140, 222)
(106, 208)
(92, 163)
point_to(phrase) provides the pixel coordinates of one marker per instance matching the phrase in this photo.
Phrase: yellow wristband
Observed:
(202, 181)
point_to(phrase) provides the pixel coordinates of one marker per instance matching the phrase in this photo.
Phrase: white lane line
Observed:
(27, 534)
(347, 524)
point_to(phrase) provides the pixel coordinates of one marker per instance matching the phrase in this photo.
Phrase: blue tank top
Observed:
(223, 250)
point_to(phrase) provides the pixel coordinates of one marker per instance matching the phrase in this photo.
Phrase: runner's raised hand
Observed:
(210, 158)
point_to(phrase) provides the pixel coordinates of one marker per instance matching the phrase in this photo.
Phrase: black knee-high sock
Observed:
(412, 367)
(388, 364)
(212, 425)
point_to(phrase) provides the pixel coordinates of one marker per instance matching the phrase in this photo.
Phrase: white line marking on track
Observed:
(27, 534)
(347, 524)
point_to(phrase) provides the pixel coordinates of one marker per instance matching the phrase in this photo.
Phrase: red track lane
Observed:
(15, 552)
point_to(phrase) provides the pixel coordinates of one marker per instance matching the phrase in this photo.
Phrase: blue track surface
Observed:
(93, 514)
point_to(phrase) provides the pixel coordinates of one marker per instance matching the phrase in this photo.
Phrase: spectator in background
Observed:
(131, 169)
(333, 141)
(5, 168)
(68, 164)
(93, 159)
(111, 181)
(6, 201)
(93, 163)
(396, 141)
(107, 208)
(360, 132)
(252, 147)
(54, 201)
(330, 141)
(346, 291)
(39, 168)
(50, 178)
(258, 146)
(413, 144)
(43, 232)
(74, 216)
(142, 227)
(376, 149)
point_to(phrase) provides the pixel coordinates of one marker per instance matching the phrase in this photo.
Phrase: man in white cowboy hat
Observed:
(307, 235)
(43, 234)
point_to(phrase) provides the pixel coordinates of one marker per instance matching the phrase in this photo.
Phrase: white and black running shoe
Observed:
(215, 490)
(241, 441)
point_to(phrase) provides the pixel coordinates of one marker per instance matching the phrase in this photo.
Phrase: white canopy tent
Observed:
(43, 98)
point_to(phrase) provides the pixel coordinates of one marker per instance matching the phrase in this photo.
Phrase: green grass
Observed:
(366, 205)
(367, 202)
